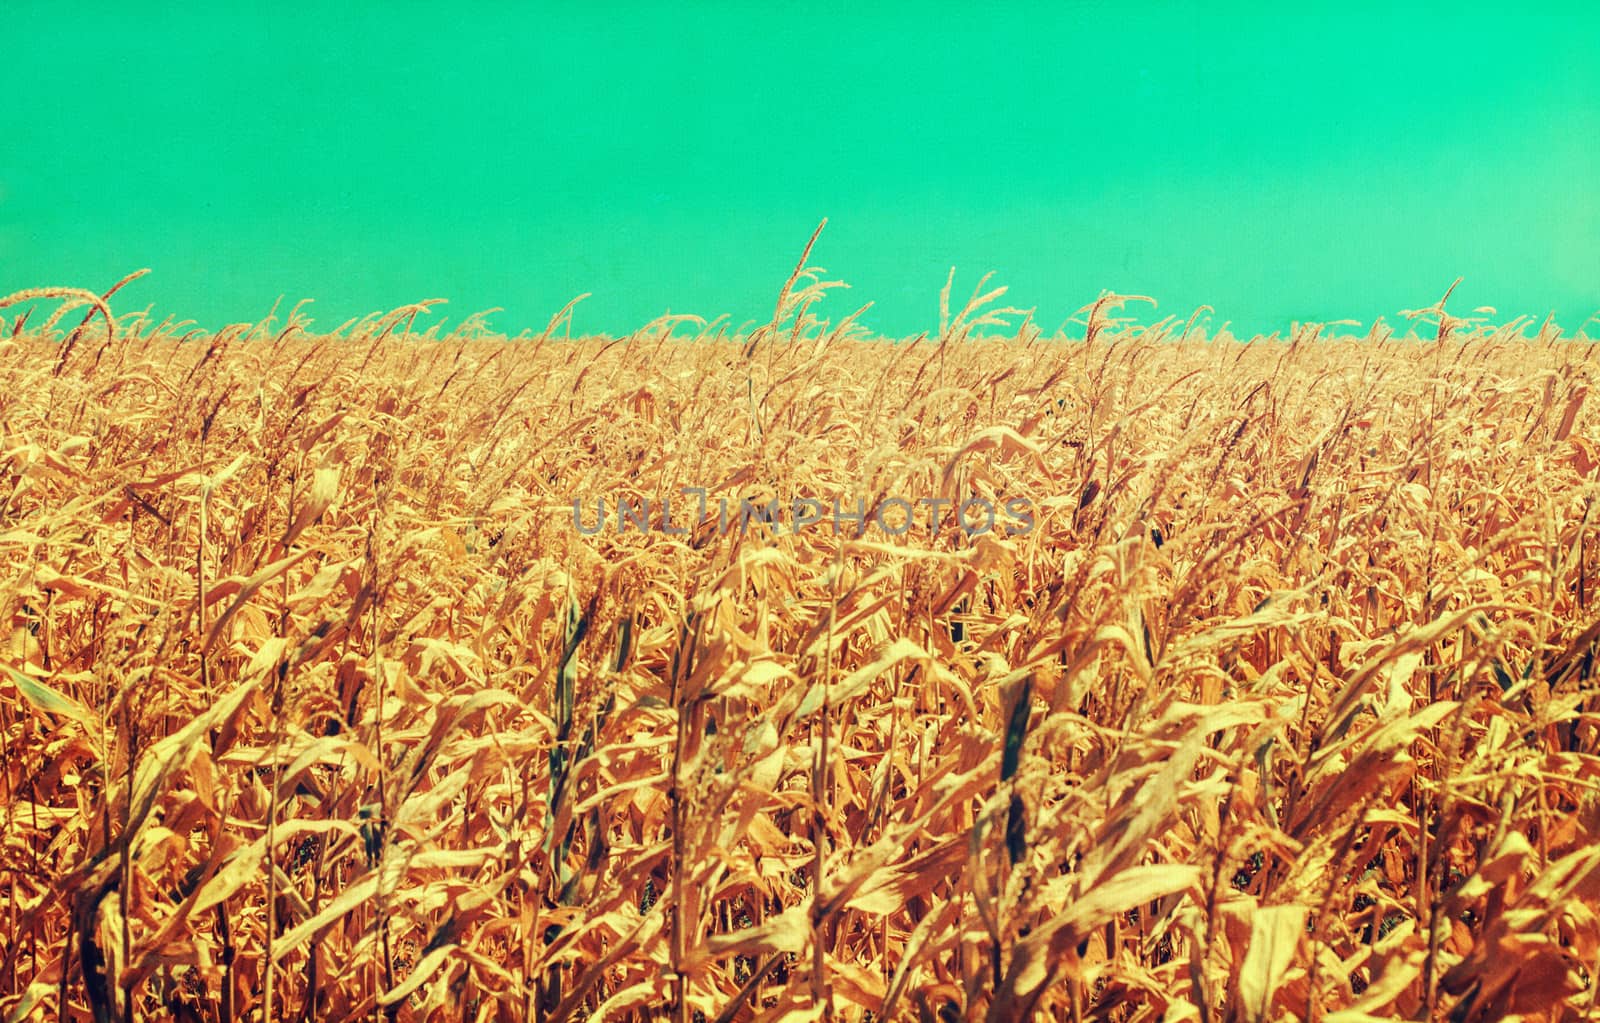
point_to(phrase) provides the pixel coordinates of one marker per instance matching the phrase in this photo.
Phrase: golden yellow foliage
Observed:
(318, 704)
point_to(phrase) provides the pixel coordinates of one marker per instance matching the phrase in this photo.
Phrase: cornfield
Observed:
(321, 701)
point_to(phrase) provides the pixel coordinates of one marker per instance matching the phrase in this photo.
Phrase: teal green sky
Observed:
(1337, 162)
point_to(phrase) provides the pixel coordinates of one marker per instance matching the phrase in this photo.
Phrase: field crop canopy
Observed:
(1266, 692)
